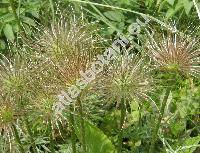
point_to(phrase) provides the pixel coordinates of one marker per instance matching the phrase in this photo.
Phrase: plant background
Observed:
(20, 21)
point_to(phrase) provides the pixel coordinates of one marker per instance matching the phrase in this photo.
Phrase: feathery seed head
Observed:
(126, 77)
(176, 53)
(70, 45)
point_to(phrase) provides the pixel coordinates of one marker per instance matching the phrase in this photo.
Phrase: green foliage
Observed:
(96, 140)
(150, 104)
(18, 17)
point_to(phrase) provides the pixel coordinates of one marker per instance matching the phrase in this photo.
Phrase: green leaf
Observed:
(7, 18)
(35, 14)
(15, 27)
(187, 5)
(135, 116)
(172, 11)
(177, 127)
(28, 21)
(191, 144)
(96, 140)
(171, 2)
(8, 31)
(149, 3)
(114, 15)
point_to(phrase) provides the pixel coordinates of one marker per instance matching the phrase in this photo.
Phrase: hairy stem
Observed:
(154, 139)
(123, 114)
(82, 124)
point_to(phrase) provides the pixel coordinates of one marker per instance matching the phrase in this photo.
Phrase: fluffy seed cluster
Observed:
(70, 45)
(127, 76)
(12, 89)
(176, 52)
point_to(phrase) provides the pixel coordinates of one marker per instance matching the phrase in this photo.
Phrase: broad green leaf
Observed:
(114, 15)
(96, 140)
(8, 31)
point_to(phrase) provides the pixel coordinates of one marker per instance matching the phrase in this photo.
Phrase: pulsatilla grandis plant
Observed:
(127, 78)
(69, 45)
(176, 56)
(177, 53)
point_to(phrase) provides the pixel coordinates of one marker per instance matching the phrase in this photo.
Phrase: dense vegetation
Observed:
(145, 98)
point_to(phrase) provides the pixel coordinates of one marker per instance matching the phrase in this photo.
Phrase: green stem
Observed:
(31, 135)
(73, 135)
(51, 138)
(82, 124)
(123, 114)
(17, 139)
(140, 115)
(154, 139)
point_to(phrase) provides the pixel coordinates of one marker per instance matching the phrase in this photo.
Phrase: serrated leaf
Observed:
(8, 32)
